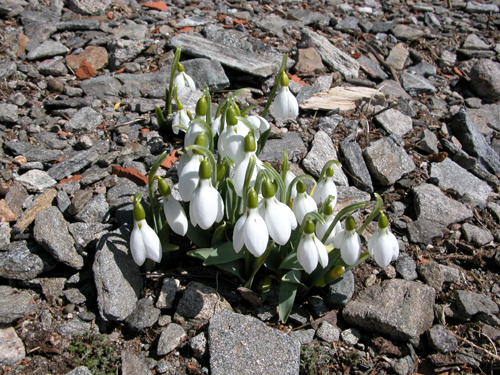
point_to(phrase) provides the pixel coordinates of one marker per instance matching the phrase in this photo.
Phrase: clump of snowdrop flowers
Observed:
(383, 245)
(348, 242)
(144, 242)
(285, 104)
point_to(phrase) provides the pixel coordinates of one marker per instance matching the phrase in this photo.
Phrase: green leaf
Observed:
(235, 267)
(290, 262)
(292, 276)
(266, 286)
(198, 236)
(202, 253)
(286, 298)
(223, 254)
(168, 247)
(219, 234)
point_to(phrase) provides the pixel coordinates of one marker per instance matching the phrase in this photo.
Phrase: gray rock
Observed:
(14, 304)
(399, 309)
(450, 176)
(273, 151)
(311, 18)
(328, 332)
(485, 79)
(395, 122)
(348, 23)
(36, 181)
(167, 293)
(88, 7)
(350, 336)
(207, 72)
(476, 234)
(486, 118)
(340, 291)
(23, 261)
(131, 30)
(41, 154)
(303, 336)
(73, 164)
(170, 338)
(7, 68)
(406, 267)
(450, 274)
(51, 232)
(398, 55)
(334, 58)
(119, 199)
(92, 175)
(74, 296)
(8, 113)
(494, 209)
(199, 345)
(78, 24)
(47, 50)
(4, 235)
(11, 347)
(387, 161)
(423, 231)
(144, 315)
(474, 42)
(433, 205)
(103, 87)
(53, 67)
(234, 58)
(85, 120)
(470, 304)
(372, 68)
(87, 234)
(134, 364)
(73, 327)
(201, 302)
(382, 27)
(95, 211)
(322, 150)
(423, 69)
(415, 84)
(244, 345)
(392, 89)
(406, 33)
(476, 7)
(428, 142)
(473, 142)
(123, 50)
(432, 274)
(116, 276)
(352, 159)
(275, 24)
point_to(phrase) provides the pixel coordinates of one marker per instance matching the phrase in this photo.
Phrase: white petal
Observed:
(137, 245)
(151, 242)
(302, 205)
(176, 217)
(239, 233)
(322, 253)
(215, 126)
(322, 228)
(324, 189)
(288, 180)
(190, 82)
(179, 81)
(307, 254)
(205, 205)
(256, 235)
(193, 131)
(350, 249)
(285, 105)
(287, 211)
(239, 175)
(220, 208)
(279, 228)
(189, 177)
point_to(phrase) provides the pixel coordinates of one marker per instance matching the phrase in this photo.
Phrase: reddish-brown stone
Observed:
(97, 57)
(85, 71)
(132, 174)
(158, 5)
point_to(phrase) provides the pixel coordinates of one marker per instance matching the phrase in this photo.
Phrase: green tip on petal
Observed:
(221, 171)
(253, 199)
(268, 189)
(382, 221)
(180, 67)
(180, 107)
(202, 106)
(350, 224)
(201, 140)
(249, 145)
(237, 110)
(329, 172)
(328, 209)
(284, 79)
(301, 187)
(231, 116)
(310, 227)
(163, 187)
(205, 171)
(139, 213)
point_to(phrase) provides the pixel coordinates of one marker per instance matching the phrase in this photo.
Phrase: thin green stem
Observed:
(373, 215)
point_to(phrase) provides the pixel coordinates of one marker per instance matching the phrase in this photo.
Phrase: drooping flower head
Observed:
(241, 169)
(329, 217)
(348, 242)
(144, 242)
(195, 128)
(311, 250)
(232, 138)
(259, 125)
(303, 203)
(188, 169)
(182, 80)
(279, 218)
(174, 213)
(250, 229)
(325, 188)
(285, 105)
(207, 206)
(383, 245)
(180, 118)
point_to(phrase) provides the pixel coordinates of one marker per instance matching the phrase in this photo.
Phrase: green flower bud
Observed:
(309, 227)
(231, 116)
(350, 224)
(205, 171)
(301, 187)
(236, 109)
(253, 199)
(284, 79)
(249, 145)
(268, 189)
(163, 187)
(221, 171)
(329, 172)
(336, 272)
(202, 106)
(180, 67)
(201, 140)
(328, 209)
(382, 221)
(139, 213)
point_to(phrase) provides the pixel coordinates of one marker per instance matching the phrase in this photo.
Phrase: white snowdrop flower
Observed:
(348, 242)
(303, 203)
(383, 245)
(311, 250)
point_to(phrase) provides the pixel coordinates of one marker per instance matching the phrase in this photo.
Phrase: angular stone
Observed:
(244, 345)
(134, 363)
(199, 345)
(406, 267)
(200, 302)
(433, 205)
(328, 332)
(309, 60)
(8, 113)
(372, 68)
(170, 339)
(119, 199)
(476, 234)
(340, 291)
(352, 159)
(322, 151)
(41, 203)
(485, 79)
(415, 84)
(406, 33)
(429, 142)
(400, 309)
(117, 277)
(167, 294)
(432, 274)
(441, 339)
(144, 315)
(95, 211)
(122, 51)
(80, 370)
(273, 150)
(450, 176)
(473, 142)
(334, 58)
(395, 122)
(303, 336)
(207, 72)
(348, 195)
(14, 304)
(11, 347)
(89, 7)
(53, 67)
(73, 164)
(47, 50)
(97, 57)
(24, 261)
(73, 327)
(51, 232)
(474, 42)
(231, 57)
(470, 304)
(423, 69)
(398, 55)
(85, 120)
(78, 24)
(102, 87)
(476, 7)
(387, 161)
(423, 231)
(36, 181)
